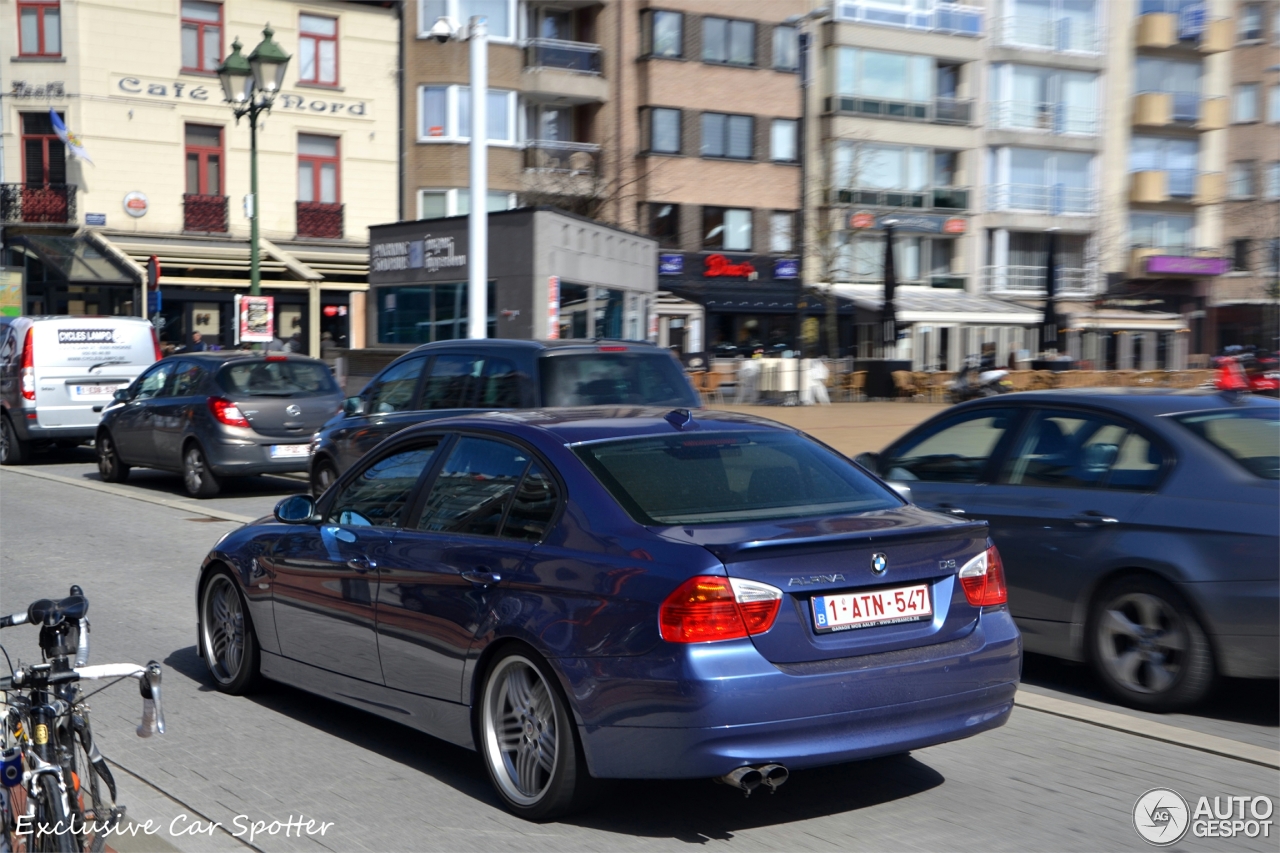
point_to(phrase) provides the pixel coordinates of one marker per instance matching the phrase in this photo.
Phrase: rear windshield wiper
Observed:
(108, 363)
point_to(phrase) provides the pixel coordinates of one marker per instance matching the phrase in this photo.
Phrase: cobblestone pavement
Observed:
(1042, 782)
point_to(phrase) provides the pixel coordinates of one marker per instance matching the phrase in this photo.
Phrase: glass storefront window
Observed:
(422, 313)
(608, 313)
(573, 311)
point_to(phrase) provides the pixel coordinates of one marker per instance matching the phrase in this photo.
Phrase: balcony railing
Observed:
(942, 17)
(1064, 35)
(575, 158)
(206, 213)
(320, 219)
(936, 198)
(1047, 117)
(938, 111)
(1041, 198)
(563, 55)
(37, 203)
(1032, 280)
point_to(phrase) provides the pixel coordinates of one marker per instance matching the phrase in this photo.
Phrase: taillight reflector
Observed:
(227, 412)
(28, 366)
(708, 608)
(982, 579)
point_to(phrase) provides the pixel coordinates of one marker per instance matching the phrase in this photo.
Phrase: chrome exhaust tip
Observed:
(745, 779)
(774, 776)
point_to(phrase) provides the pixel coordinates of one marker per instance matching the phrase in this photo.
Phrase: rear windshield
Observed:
(1249, 436)
(277, 379)
(713, 478)
(615, 379)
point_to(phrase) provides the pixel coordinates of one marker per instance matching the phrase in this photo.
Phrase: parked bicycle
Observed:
(56, 790)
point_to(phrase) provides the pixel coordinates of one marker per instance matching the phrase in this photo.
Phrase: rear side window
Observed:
(502, 386)
(1249, 436)
(615, 379)
(956, 451)
(277, 379)
(393, 390)
(452, 382)
(532, 506)
(709, 478)
(1079, 450)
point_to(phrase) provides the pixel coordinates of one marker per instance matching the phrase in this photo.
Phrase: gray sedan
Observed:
(1138, 529)
(216, 415)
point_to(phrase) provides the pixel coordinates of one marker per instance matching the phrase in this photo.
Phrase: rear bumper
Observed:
(1242, 618)
(709, 708)
(29, 430)
(233, 460)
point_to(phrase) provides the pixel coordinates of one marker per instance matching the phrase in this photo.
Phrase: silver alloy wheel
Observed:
(193, 470)
(1143, 641)
(6, 439)
(519, 727)
(105, 463)
(325, 475)
(222, 627)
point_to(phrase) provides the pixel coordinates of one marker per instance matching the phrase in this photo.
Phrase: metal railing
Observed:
(207, 213)
(1047, 117)
(1063, 35)
(942, 17)
(1179, 183)
(577, 158)
(1016, 280)
(1041, 198)
(563, 55)
(37, 203)
(320, 219)
(937, 111)
(935, 198)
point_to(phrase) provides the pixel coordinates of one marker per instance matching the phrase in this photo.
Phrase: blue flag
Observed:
(68, 138)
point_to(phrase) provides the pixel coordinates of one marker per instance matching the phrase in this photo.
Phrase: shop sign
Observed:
(202, 93)
(786, 268)
(22, 90)
(1178, 265)
(95, 219)
(136, 204)
(255, 319)
(923, 223)
(430, 253)
(669, 264)
(862, 220)
(718, 266)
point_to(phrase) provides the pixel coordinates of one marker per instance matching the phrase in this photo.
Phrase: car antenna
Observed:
(681, 419)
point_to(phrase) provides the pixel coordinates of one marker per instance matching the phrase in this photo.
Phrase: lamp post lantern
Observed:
(250, 86)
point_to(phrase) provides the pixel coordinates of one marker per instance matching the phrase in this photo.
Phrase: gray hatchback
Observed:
(215, 415)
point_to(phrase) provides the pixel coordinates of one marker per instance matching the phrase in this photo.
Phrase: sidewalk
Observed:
(851, 428)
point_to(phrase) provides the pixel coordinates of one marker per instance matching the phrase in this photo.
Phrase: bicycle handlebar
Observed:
(148, 676)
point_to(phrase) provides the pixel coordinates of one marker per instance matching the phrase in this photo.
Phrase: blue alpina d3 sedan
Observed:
(621, 593)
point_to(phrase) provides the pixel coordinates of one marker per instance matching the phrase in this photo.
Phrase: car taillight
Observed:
(707, 608)
(983, 579)
(29, 366)
(277, 358)
(227, 412)
(611, 349)
(155, 342)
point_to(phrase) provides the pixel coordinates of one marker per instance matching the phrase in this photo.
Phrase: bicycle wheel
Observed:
(52, 824)
(95, 800)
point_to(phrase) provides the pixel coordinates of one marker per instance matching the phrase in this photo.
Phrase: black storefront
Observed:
(750, 303)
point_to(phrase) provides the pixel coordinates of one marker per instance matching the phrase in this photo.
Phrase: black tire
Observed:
(542, 792)
(13, 450)
(197, 477)
(227, 640)
(110, 467)
(94, 804)
(51, 814)
(323, 473)
(1147, 646)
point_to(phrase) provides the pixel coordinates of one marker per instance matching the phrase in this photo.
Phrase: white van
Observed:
(57, 374)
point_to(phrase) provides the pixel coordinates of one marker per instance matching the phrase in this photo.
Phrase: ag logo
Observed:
(1161, 817)
(879, 564)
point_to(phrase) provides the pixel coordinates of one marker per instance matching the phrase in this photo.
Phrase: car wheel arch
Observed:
(1164, 574)
(491, 650)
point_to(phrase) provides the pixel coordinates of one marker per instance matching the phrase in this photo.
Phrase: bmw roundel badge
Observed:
(879, 564)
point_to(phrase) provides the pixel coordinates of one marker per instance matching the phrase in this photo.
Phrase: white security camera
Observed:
(443, 30)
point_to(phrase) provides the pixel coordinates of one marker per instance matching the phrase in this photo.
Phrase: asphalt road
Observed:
(1043, 782)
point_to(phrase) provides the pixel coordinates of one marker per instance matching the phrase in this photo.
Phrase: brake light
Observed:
(29, 366)
(983, 579)
(612, 349)
(155, 342)
(277, 358)
(708, 608)
(227, 412)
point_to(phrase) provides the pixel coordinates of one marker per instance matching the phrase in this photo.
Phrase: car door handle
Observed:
(1093, 518)
(361, 564)
(951, 508)
(482, 577)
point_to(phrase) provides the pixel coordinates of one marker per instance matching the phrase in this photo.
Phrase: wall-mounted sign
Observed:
(955, 225)
(136, 204)
(786, 268)
(916, 223)
(861, 220)
(178, 90)
(255, 318)
(10, 292)
(670, 264)
(22, 90)
(553, 307)
(1179, 265)
(95, 219)
(430, 253)
(718, 266)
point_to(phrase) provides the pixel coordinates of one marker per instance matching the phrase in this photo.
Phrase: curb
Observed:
(134, 494)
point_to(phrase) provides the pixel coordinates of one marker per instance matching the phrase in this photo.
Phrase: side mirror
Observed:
(122, 395)
(870, 461)
(296, 509)
(353, 406)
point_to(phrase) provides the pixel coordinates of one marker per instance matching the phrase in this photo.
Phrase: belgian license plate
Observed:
(93, 390)
(289, 451)
(868, 609)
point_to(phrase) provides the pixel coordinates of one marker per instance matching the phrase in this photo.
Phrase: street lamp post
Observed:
(804, 41)
(250, 86)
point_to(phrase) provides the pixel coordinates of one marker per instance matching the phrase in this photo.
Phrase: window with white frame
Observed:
(1273, 100)
(444, 115)
(1061, 25)
(860, 257)
(1177, 158)
(1032, 97)
(1240, 179)
(1271, 181)
(1244, 103)
(1042, 180)
(1249, 25)
(876, 74)
(435, 204)
(782, 231)
(726, 229)
(782, 140)
(500, 14)
(1166, 231)
(873, 166)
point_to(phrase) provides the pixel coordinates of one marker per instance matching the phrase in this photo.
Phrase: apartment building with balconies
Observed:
(170, 164)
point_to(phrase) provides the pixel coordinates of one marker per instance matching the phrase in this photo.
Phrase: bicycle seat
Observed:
(48, 612)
